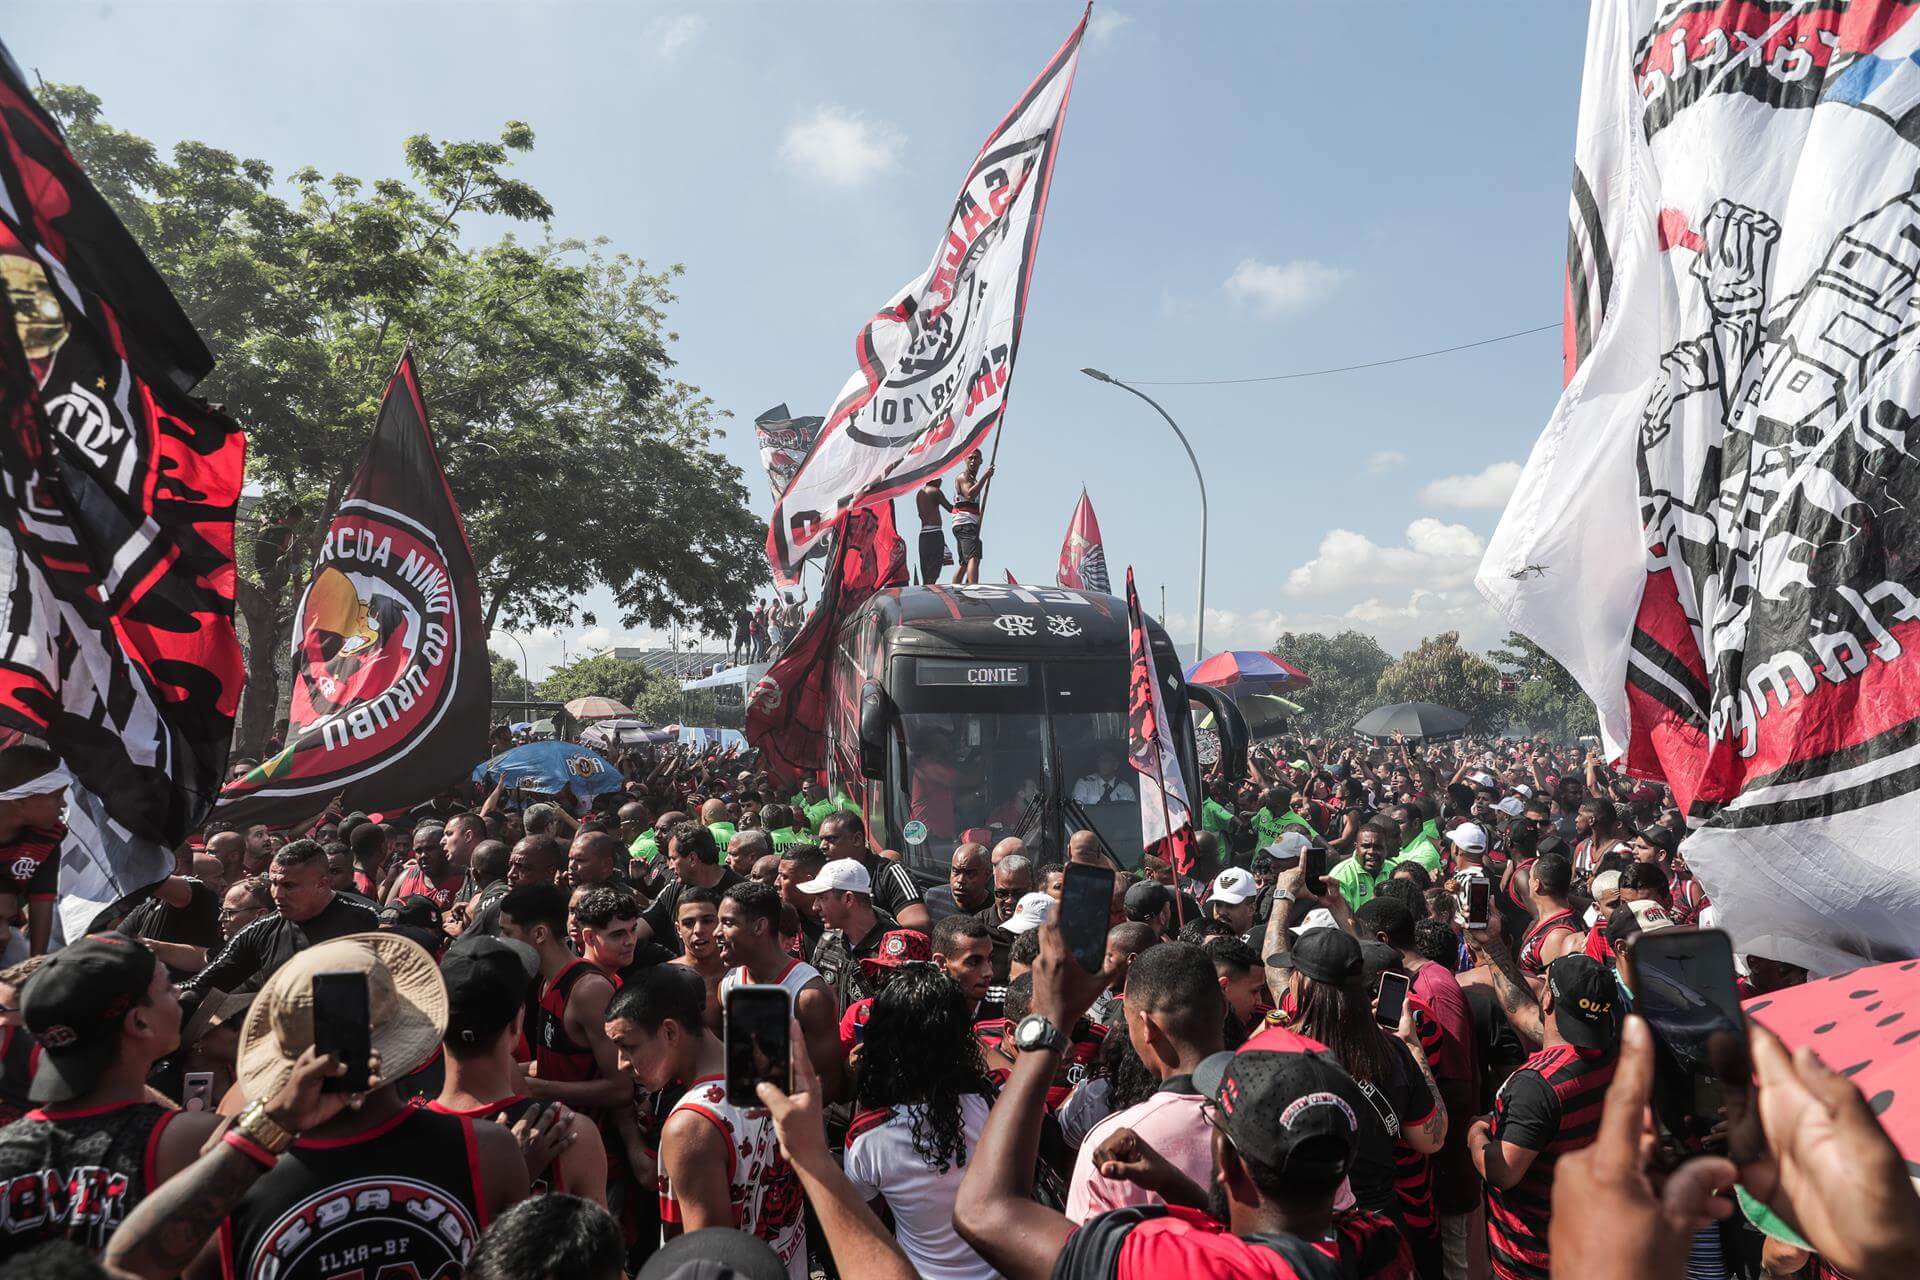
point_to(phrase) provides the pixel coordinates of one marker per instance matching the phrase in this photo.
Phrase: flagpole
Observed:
(1200, 615)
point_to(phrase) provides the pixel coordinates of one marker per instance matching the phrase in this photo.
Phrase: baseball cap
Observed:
(1650, 914)
(1290, 847)
(74, 1005)
(1470, 836)
(1146, 900)
(845, 875)
(1512, 806)
(1661, 838)
(1233, 886)
(1523, 790)
(1318, 918)
(415, 911)
(897, 947)
(1325, 955)
(1583, 998)
(1293, 1114)
(487, 982)
(714, 1253)
(1035, 909)
(1481, 777)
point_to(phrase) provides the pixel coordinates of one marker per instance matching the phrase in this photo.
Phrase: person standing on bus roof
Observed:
(970, 492)
(1106, 784)
(931, 500)
(843, 835)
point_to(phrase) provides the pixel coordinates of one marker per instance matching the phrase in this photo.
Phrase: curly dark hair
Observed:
(1129, 1081)
(919, 1051)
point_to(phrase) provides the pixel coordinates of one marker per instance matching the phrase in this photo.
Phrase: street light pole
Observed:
(526, 668)
(1200, 617)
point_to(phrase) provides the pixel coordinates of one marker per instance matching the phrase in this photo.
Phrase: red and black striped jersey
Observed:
(1550, 1106)
(30, 862)
(1412, 1171)
(1369, 1246)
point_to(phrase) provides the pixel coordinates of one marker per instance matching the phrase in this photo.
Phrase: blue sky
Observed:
(1243, 189)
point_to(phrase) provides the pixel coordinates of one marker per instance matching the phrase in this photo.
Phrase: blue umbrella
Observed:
(548, 766)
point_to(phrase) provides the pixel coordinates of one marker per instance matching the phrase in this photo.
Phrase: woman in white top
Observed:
(922, 1101)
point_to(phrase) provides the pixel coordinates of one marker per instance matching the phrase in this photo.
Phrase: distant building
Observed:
(679, 664)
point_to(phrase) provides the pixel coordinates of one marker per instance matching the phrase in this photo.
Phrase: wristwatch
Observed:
(1037, 1034)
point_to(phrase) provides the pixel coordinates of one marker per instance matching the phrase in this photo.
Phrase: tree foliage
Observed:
(1345, 669)
(654, 697)
(1549, 702)
(577, 458)
(1439, 671)
(509, 682)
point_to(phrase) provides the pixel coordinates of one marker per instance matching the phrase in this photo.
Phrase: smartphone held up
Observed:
(758, 1030)
(1682, 982)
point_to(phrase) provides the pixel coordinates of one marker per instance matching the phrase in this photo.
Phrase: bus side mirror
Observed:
(876, 717)
(1229, 724)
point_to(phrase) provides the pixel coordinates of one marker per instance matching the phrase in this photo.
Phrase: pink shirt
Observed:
(1171, 1124)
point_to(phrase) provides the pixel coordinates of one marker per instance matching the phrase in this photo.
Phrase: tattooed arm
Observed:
(1510, 985)
(1430, 1134)
(1279, 937)
(179, 1224)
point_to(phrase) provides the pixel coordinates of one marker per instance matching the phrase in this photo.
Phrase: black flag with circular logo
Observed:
(391, 683)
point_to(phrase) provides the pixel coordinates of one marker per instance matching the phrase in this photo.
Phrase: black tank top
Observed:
(506, 1113)
(403, 1199)
(76, 1174)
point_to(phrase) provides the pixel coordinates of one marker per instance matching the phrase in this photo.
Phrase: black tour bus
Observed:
(1001, 708)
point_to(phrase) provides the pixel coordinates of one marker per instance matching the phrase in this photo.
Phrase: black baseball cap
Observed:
(1662, 838)
(1584, 995)
(415, 911)
(487, 983)
(1325, 955)
(1146, 900)
(75, 1004)
(714, 1253)
(1295, 1115)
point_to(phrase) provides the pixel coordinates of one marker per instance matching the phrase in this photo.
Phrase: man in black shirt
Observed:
(307, 912)
(694, 859)
(180, 923)
(969, 886)
(844, 835)
(844, 894)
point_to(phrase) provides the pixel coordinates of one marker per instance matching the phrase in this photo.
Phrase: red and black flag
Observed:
(391, 682)
(1166, 819)
(787, 710)
(117, 499)
(1083, 556)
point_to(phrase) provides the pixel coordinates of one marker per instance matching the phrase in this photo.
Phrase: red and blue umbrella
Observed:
(1239, 672)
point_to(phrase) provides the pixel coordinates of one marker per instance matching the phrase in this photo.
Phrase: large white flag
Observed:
(1719, 531)
(934, 364)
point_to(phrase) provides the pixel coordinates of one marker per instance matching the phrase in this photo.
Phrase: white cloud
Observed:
(1486, 490)
(1386, 460)
(1436, 556)
(1279, 287)
(1106, 23)
(671, 35)
(840, 148)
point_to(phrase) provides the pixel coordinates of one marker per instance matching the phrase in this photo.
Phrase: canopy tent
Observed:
(1417, 721)
(1266, 713)
(748, 674)
(605, 734)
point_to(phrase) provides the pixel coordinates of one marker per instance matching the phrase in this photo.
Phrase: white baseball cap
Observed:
(1511, 806)
(1233, 886)
(1318, 918)
(1035, 909)
(1290, 847)
(1470, 836)
(847, 875)
(1521, 788)
(1484, 778)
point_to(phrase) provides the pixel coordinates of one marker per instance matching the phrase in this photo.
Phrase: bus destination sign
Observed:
(978, 675)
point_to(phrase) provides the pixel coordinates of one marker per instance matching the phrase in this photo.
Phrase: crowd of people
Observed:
(547, 980)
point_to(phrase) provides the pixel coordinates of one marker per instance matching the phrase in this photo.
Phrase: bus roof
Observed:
(1032, 620)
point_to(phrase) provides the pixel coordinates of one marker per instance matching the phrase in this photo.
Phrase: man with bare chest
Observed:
(933, 543)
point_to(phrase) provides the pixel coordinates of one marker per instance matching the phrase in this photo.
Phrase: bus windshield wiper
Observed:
(1074, 811)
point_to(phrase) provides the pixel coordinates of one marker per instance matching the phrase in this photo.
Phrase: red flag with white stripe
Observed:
(1166, 819)
(1083, 557)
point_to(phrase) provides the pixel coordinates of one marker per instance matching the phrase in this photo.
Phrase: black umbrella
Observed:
(1419, 721)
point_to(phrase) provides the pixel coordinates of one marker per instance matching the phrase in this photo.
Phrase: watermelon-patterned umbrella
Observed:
(1865, 1025)
(1243, 671)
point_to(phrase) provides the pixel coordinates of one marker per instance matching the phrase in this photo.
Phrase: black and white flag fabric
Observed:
(934, 364)
(784, 441)
(391, 682)
(1718, 532)
(117, 500)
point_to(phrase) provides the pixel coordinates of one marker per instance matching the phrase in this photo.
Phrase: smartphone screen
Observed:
(758, 1040)
(343, 1027)
(1314, 865)
(1479, 903)
(1683, 985)
(1392, 999)
(1086, 900)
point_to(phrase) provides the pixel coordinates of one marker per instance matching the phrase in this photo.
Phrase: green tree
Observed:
(509, 683)
(1438, 670)
(576, 456)
(1344, 669)
(1548, 701)
(654, 697)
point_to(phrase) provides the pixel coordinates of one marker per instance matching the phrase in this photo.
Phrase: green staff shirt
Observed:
(1356, 886)
(1215, 816)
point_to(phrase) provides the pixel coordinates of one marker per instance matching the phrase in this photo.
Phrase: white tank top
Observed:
(798, 974)
(766, 1194)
